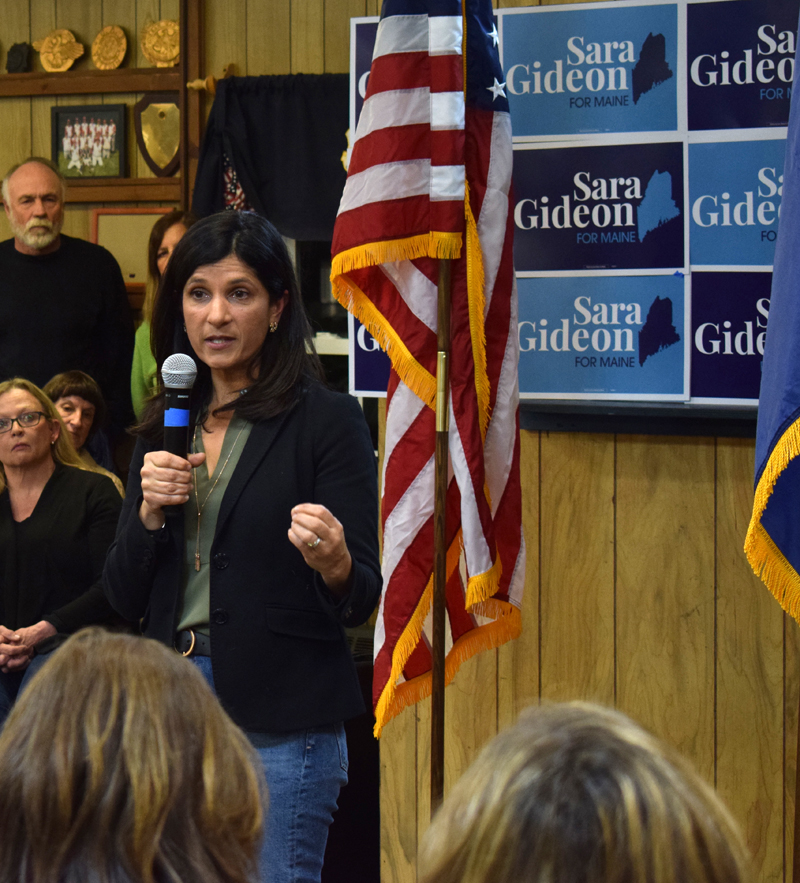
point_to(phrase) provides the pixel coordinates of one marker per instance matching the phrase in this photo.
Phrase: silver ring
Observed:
(314, 544)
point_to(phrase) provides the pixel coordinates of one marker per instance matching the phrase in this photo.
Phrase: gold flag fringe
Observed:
(476, 296)
(435, 244)
(769, 563)
(482, 586)
(506, 627)
(408, 640)
(420, 381)
(766, 559)
(389, 704)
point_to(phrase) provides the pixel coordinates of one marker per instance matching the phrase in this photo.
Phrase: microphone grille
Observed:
(178, 371)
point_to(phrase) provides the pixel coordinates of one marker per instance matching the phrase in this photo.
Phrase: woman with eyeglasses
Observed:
(57, 520)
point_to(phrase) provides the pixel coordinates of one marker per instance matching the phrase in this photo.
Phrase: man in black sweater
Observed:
(63, 303)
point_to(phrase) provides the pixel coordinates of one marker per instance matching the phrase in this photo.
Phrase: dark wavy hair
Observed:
(286, 361)
(170, 219)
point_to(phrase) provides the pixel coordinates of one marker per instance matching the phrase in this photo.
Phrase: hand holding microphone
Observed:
(167, 474)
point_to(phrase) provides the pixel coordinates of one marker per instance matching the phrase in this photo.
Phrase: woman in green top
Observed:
(165, 235)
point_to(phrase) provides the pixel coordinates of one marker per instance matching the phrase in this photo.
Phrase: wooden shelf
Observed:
(124, 190)
(88, 82)
(176, 189)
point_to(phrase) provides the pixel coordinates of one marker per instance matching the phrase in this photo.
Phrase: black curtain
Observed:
(284, 136)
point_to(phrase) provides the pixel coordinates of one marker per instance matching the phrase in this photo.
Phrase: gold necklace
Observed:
(197, 499)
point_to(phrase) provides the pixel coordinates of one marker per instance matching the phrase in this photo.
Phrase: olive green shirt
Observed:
(209, 491)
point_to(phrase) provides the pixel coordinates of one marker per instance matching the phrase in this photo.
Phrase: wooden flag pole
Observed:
(796, 849)
(440, 538)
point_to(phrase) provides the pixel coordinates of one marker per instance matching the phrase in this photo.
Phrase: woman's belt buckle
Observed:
(191, 646)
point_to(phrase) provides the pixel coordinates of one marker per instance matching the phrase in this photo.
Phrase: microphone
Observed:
(178, 374)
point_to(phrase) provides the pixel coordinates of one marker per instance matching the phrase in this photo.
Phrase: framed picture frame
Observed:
(125, 232)
(89, 140)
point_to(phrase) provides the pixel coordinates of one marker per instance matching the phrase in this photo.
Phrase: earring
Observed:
(184, 328)
(273, 327)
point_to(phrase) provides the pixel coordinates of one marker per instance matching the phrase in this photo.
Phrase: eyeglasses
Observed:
(32, 418)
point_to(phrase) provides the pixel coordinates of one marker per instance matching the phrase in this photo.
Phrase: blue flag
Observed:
(772, 545)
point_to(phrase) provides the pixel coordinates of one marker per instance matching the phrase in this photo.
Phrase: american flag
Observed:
(429, 178)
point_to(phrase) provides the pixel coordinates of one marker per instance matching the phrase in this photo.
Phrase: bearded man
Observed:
(63, 304)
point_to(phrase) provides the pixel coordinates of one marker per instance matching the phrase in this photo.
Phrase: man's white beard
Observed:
(39, 238)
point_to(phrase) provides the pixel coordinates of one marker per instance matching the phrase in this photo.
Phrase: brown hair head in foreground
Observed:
(117, 763)
(576, 793)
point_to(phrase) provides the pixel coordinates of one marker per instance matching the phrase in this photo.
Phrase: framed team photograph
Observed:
(88, 141)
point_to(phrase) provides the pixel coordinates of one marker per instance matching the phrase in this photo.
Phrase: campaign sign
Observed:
(602, 337)
(363, 35)
(729, 327)
(369, 364)
(735, 190)
(598, 207)
(570, 72)
(740, 63)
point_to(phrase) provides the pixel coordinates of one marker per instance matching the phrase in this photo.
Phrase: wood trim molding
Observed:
(124, 190)
(192, 36)
(91, 82)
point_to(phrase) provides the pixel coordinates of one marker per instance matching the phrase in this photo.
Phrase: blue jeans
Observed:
(13, 683)
(305, 771)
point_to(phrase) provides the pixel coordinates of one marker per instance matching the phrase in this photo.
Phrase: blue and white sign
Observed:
(369, 364)
(740, 63)
(362, 44)
(649, 140)
(603, 207)
(579, 338)
(602, 337)
(735, 190)
(729, 327)
(574, 72)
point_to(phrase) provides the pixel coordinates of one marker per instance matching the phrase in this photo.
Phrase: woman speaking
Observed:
(250, 555)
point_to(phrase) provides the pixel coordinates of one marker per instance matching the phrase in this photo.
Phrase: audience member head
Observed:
(165, 235)
(47, 438)
(576, 793)
(34, 192)
(118, 764)
(79, 402)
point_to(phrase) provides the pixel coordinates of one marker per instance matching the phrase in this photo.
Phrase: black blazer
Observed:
(279, 654)
(51, 563)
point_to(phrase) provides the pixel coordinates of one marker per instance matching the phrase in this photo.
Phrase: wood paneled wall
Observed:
(256, 36)
(637, 594)
(26, 121)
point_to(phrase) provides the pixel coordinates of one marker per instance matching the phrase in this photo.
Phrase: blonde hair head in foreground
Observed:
(117, 763)
(576, 793)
